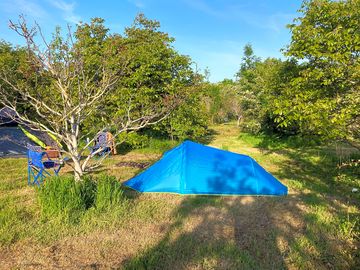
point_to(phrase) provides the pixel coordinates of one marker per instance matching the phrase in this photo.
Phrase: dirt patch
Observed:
(132, 164)
(98, 250)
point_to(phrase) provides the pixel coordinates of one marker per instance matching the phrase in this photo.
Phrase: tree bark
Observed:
(78, 171)
(238, 121)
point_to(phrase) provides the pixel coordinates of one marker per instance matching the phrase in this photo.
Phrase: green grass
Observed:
(97, 223)
(68, 200)
(277, 142)
(157, 146)
(145, 144)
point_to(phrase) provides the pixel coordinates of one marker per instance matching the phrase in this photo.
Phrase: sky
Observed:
(212, 32)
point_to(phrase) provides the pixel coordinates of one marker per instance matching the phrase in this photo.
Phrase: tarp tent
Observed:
(7, 116)
(14, 137)
(192, 168)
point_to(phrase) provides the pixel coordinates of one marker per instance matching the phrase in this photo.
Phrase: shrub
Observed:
(250, 126)
(67, 199)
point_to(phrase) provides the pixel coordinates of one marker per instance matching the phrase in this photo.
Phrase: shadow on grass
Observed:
(240, 233)
(209, 137)
(316, 169)
(310, 228)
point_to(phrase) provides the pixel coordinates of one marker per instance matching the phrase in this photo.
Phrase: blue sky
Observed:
(212, 32)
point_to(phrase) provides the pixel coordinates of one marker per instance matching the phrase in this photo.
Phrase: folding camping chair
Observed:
(38, 169)
(102, 146)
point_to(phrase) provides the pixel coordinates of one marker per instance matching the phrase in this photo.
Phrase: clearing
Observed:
(315, 227)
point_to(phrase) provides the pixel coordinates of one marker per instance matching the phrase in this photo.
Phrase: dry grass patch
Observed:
(315, 227)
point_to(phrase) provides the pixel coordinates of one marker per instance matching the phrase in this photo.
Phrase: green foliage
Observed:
(68, 200)
(249, 61)
(259, 93)
(148, 140)
(213, 102)
(13, 60)
(249, 91)
(13, 220)
(154, 79)
(272, 79)
(133, 140)
(189, 120)
(221, 101)
(325, 98)
(108, 193)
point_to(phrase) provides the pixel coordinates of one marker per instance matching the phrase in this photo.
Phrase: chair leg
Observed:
(56, 171)
(36, 178)
(29, 175)
(40, 175)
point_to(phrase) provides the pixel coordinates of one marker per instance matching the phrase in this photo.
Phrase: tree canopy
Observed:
(325, 98)
(84, 82)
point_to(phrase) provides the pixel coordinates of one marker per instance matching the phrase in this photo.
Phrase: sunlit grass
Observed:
(318, 223)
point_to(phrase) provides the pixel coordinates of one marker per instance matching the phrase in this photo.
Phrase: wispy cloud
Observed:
(221, 56)
(204, 7)
(67, 9)
(240, 12)
(278, 21)
(29, 8)
(138, 3)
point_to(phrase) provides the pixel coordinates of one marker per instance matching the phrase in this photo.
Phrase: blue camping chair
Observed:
(101, 147)
(38, 169)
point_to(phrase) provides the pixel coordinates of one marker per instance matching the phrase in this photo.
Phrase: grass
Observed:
(68, 200)
(315, 226)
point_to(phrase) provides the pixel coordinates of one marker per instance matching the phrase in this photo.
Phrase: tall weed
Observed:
(108, 193)
(69, 200)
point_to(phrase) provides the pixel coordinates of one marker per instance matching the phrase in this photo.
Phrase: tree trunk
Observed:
(78, 171)
(238, 120)
(76, 158)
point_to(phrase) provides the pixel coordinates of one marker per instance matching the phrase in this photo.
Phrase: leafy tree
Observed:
(231, 101)
(189, 120)
(155, 79)
(90, 80)
(261, 87)
(248, 94)
(14, 61)
(272, 79)
(248, 63)
(325, 98)
(213, 102)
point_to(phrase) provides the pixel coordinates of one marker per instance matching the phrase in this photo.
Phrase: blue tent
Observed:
(192, 168)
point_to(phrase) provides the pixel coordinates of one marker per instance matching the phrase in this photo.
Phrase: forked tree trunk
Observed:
(78, 171)
(76, 158)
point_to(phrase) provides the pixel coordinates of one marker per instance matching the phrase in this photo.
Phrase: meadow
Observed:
(315, 227)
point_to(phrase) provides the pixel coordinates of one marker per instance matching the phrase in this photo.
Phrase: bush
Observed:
(67, 199)
(250, 126)
(135, 140)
